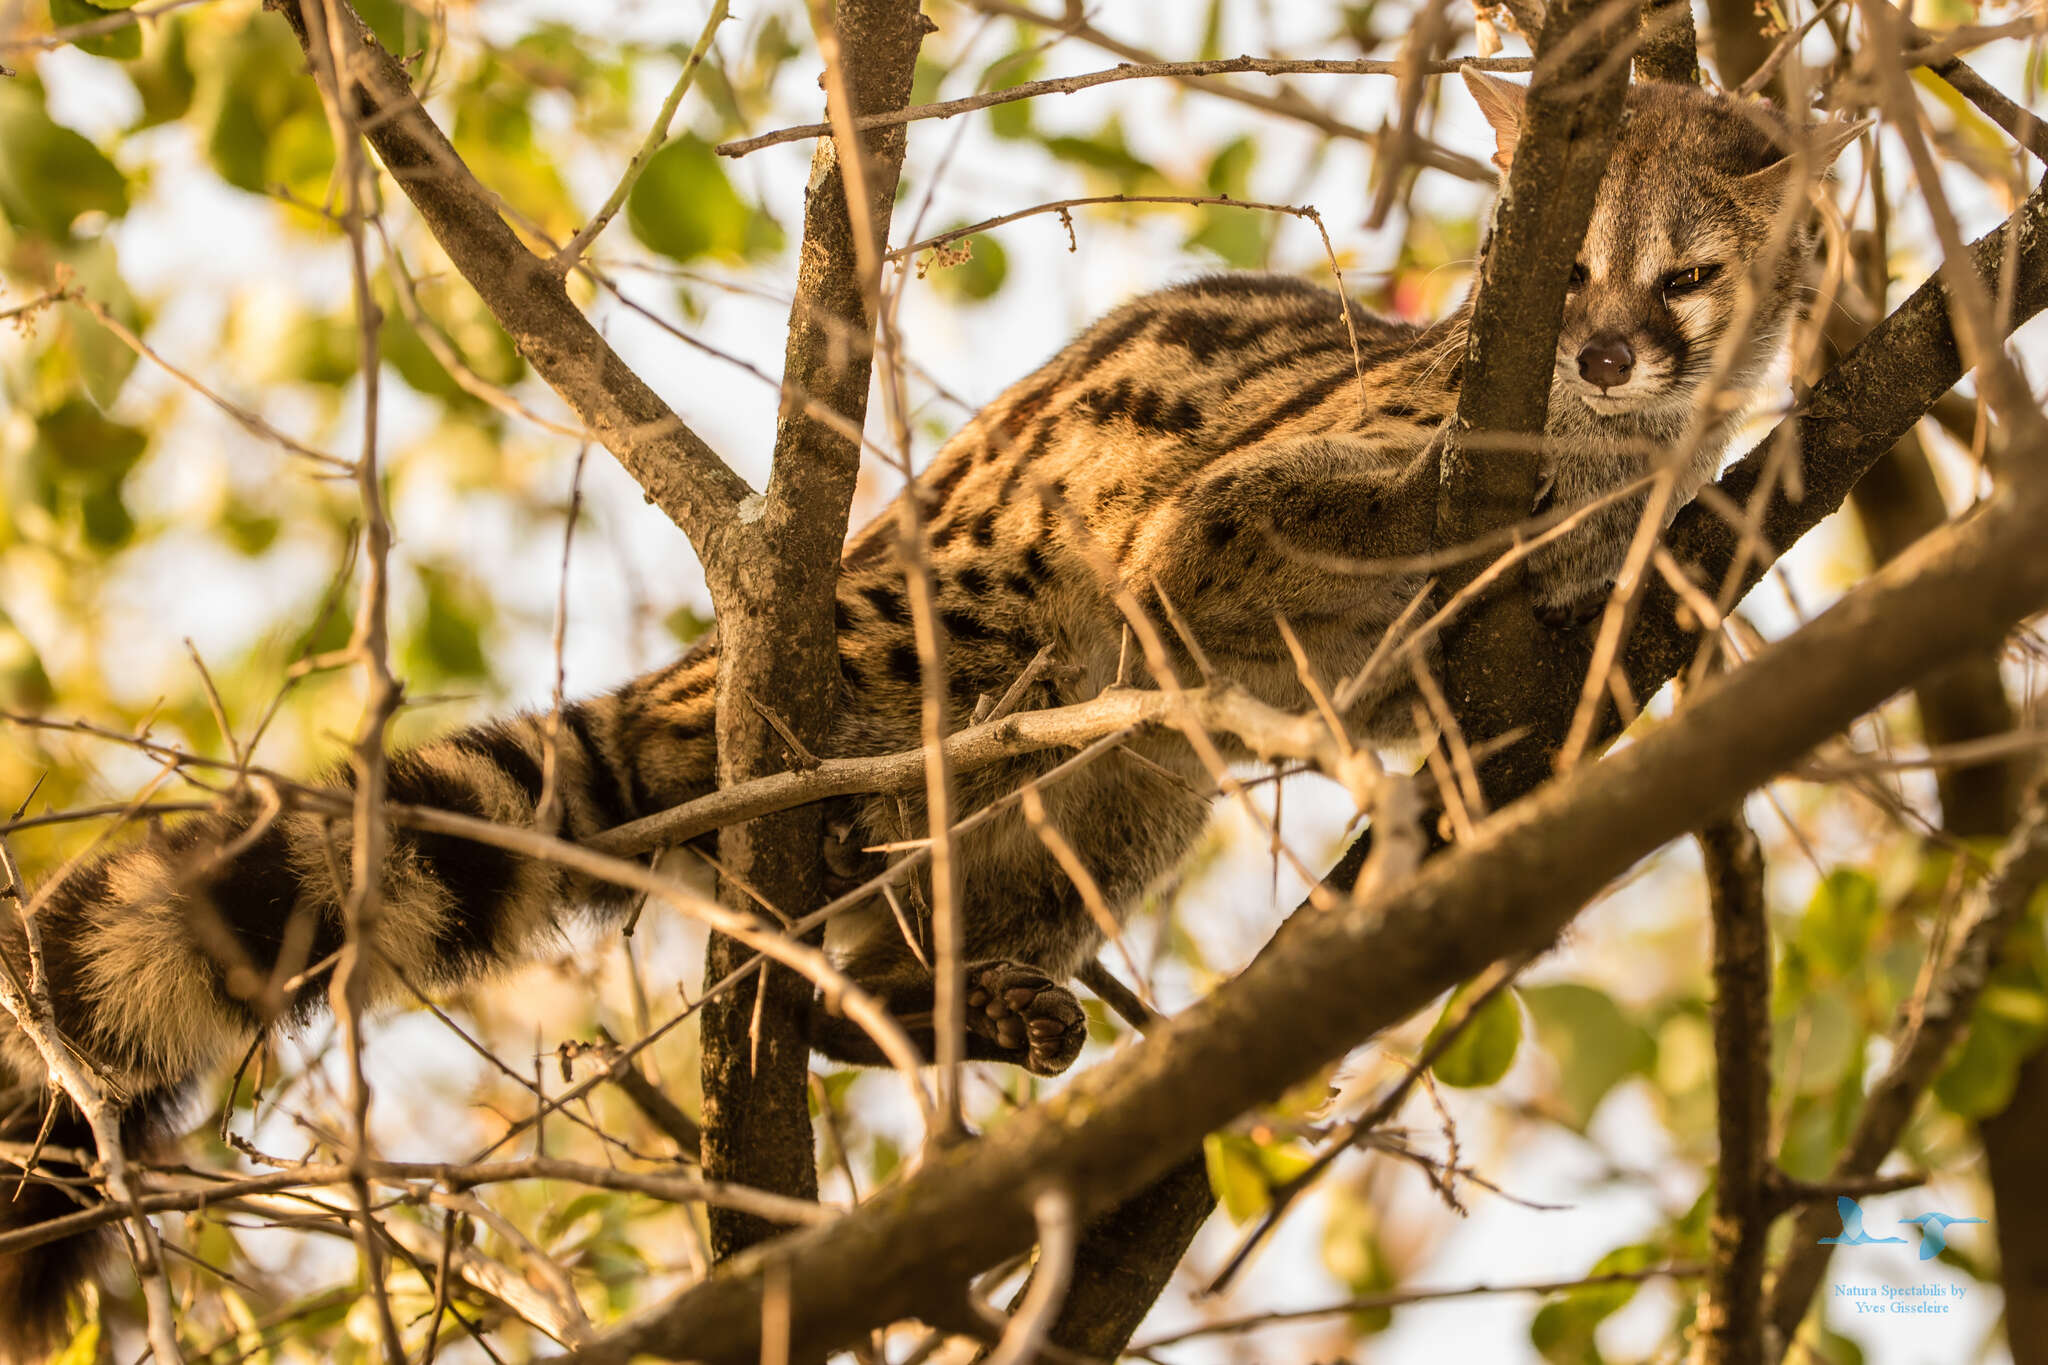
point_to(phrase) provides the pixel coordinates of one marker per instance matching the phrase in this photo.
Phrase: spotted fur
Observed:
(1221, 451)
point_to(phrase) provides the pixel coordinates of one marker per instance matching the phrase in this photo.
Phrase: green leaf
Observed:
(2005, 1031)
(1563, 1329)
(104, 361)
(1211, 46)
(1235, 1175)
(1825, 1036)
(1354, 1252)
(251, 532)
(1484, 1050)
(974, 276)
(1244, 1171)
(687, 624)
(24, 686)
(684, 207)
(449, 637)
(1012, 120)
(122, 44)
(1839, 919)
(49, 175)
(1594, 1044)
(1239, 236)
(81, 446)
(1108, 154)
(106, 519)
(258, 105)
(163, 77)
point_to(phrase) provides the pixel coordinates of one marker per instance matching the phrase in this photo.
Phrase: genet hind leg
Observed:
(1015, 1012)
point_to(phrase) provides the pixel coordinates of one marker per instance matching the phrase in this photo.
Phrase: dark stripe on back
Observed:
(1293, 355)
(1306, 399)
(1206, 333)
(1110, 339)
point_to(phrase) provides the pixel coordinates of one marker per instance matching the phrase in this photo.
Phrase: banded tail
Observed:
(167, 957)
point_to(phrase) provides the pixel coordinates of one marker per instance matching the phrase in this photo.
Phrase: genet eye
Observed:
(1689, 279)
(1578, 279)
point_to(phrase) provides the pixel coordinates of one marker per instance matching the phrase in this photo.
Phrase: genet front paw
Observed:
(1022, 1012)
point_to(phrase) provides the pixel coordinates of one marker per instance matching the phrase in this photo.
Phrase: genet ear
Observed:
(1501, 102)
(1824, 142)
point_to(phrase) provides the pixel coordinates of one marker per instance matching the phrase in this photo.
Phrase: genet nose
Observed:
(1606, 361)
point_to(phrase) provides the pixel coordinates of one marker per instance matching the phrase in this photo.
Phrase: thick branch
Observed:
(1501, 668)
(1670, 50)
(1730, 1325)
(676, 469)
(778, 649)
(1349, 972)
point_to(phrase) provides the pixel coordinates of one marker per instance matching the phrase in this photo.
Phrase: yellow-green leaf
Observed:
(684, 207)
(49, 175)
(1485, 1048)
(122, 44)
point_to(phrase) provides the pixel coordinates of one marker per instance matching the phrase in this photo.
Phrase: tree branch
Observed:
(672, 464)
(1501, 668)
(1670, 50)
(1123, 71)
(778, 649)
(1730, 1324)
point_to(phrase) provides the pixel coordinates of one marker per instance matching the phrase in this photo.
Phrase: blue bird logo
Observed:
(1934, 1232)
(1853, 1234)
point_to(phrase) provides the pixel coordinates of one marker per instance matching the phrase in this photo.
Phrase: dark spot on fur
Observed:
(1106, 405)
(972, 581)
(983, 532)
(963, 625)
(887, 602)
(903, 665)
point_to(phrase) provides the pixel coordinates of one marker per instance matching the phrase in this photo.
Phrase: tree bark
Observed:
(773, 590)
(1501, 667)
